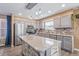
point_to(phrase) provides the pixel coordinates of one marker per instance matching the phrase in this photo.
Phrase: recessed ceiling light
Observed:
(49, 11)
(36, 13)
(20, 14)
(63, 5)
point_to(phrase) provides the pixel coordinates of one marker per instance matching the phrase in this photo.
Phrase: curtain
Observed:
(8, 38)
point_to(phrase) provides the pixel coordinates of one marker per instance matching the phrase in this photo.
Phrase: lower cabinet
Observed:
(28, 51)
(17, 41)
(67, 42)
(32, 52)
(53, 36)
(24, 49)
(56, 49)
(59, 37)
(53, 50)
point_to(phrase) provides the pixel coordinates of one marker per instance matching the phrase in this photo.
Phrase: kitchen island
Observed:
(67, 39)
(33, 45)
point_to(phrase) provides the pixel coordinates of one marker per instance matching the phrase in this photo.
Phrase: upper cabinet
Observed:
(66, 21)
(63, 22)
(57, 22)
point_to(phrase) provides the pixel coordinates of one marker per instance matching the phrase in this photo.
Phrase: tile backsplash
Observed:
(58, 31)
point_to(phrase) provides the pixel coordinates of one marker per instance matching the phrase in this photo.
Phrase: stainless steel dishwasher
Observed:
(68, 43)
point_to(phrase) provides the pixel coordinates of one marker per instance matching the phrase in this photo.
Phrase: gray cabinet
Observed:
(52, 36)
(59, 37)
(32, 52)
(67, 42)
(63, 22)
(57, 22)
(66, 21)
(28, 50)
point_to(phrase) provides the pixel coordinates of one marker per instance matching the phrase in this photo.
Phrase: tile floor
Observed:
(16, 51)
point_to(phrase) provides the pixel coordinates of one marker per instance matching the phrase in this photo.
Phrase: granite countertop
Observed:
(62, 34)
(39, 43)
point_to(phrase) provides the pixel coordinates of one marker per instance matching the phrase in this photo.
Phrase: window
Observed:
(3, 30)
(3, 27)
(49, 25)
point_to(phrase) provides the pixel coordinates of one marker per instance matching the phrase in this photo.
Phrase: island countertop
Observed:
(39, 43)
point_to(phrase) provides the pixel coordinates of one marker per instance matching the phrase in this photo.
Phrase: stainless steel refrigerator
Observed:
(19, 30)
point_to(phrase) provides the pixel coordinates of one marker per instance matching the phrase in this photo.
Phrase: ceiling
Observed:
(39, 11)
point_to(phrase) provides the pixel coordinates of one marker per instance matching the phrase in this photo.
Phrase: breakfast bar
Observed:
(33, 45)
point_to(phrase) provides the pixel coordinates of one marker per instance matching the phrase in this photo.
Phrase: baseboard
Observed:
(76, 49)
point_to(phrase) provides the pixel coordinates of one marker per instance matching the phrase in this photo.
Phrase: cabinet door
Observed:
(57, 22)
(32, 52)
(59, 37)
(66, 21)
